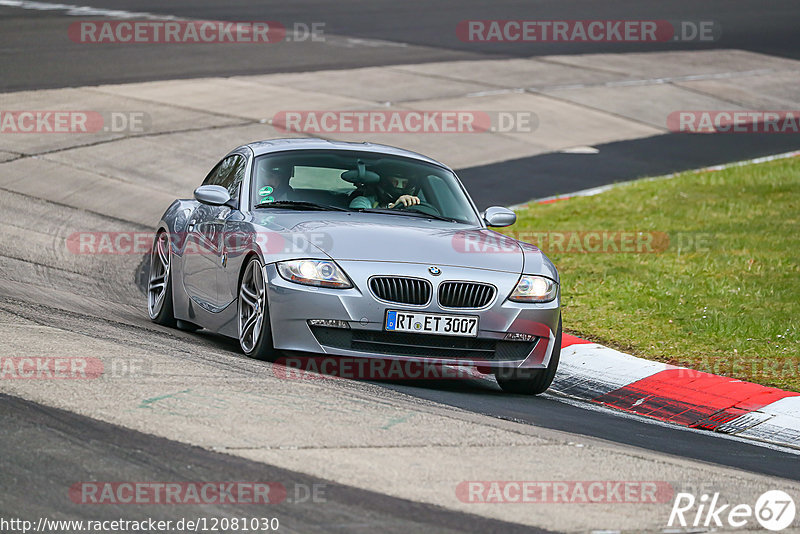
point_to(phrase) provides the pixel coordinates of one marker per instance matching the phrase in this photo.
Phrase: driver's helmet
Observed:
(394, 183)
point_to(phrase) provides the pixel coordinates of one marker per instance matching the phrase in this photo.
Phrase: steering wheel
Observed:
(422, 207)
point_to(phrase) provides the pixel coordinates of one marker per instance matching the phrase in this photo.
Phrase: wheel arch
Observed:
(247, 257)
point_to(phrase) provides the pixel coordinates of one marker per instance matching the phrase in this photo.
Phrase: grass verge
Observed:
(700, 270)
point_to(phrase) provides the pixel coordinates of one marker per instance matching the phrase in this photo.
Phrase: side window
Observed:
(229, 174)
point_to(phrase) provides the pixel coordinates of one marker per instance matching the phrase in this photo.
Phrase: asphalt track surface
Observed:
(34, 45)
(34, 48)
(74, 442)
(550, 412)
(560, 173)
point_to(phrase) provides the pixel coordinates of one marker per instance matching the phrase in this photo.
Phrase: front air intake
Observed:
(465, 294)
(401, 290)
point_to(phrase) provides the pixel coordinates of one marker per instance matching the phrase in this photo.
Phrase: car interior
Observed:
(336, 179)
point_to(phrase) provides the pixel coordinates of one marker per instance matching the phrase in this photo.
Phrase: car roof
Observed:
(268, 146)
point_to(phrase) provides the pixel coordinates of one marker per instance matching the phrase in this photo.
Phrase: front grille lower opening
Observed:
(423, 345)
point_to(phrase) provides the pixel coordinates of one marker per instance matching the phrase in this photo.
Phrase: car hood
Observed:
(402, 239)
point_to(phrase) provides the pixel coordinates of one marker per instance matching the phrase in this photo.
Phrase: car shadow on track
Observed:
(428, 375)
(306, 366)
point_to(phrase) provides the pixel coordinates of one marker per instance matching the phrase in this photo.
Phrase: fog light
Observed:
(516, 336)
(330, 323)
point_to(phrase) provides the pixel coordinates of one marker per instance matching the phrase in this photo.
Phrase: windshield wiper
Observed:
(409, 214)
(298, 204)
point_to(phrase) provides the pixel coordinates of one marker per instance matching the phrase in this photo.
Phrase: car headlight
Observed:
(320, 273)
(531, 288)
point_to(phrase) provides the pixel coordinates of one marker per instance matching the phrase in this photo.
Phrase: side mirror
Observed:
(216, 195)
(497, 216)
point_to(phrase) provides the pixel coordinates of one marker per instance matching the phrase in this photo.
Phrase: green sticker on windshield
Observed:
(267, 199)
(266, 190)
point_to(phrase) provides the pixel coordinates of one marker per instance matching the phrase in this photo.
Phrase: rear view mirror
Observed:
(361, 175)
(497, 216)
(216, 195)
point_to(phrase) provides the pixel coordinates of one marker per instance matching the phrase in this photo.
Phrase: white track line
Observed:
(659, 81)
(73, 10)
(85, 11)
(603, 188)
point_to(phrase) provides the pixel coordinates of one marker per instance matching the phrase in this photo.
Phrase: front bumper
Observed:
(292, 305)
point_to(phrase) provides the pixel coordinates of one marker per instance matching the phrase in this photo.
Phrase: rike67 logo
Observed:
(774, 510)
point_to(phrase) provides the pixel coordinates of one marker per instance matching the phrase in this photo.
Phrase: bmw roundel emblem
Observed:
(435, 271)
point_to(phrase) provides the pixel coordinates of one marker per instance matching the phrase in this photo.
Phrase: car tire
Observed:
(159, 286)
(532, 381)
(255, 333)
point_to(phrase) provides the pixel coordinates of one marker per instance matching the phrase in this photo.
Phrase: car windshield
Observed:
(360, 181)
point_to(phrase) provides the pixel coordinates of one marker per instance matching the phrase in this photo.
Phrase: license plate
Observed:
(430, 323)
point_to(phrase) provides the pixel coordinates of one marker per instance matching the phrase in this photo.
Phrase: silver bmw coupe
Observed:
(355, 250)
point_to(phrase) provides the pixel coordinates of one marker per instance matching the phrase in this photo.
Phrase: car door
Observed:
(204, 252)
